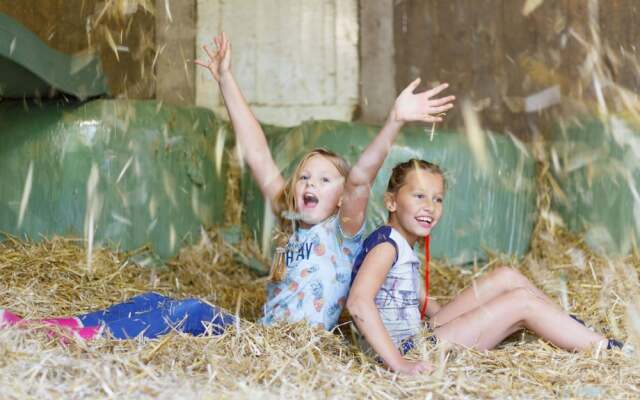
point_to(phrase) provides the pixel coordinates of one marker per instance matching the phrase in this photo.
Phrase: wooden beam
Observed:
(176, 41)
(377, 63)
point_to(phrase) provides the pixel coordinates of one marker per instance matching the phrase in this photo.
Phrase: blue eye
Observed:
(303, 177)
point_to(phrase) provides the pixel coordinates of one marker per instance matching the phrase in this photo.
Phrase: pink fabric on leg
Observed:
(88, 332)
(74, 326)
(64, 322)
(9, 318)
(71, 325)
(82, 333)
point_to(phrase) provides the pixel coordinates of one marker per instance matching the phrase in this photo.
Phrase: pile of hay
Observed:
(50, 278)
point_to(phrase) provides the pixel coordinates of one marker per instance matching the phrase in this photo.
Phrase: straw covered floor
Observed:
(50, 278)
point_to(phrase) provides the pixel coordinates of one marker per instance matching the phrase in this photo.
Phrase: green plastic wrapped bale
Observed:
(30, 68)
(492, 210)
(156, 178)
(597, 166)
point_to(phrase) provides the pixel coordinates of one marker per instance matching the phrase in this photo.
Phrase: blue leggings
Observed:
(152, 315)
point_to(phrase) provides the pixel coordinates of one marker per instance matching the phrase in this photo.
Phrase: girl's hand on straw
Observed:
(422, 106)
(219, 63)
(413, 367)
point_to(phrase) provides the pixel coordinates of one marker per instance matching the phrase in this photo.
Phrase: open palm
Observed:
(410, 106)
(219, 61)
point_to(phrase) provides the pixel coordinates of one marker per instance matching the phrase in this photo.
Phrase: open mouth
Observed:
(309, 200)
(426, 222)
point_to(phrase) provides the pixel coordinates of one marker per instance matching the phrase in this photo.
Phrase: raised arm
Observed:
(248, 132)
(408, 106)
(363, 310)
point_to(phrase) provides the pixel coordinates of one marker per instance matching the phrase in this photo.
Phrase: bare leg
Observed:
(497, 282)
(486, 326)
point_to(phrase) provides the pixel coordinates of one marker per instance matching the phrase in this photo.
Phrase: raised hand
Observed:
(219, 61)
(422, 106)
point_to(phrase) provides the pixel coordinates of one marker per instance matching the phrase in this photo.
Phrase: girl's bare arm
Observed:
(251, 139)
(361, 305)
(408, 106)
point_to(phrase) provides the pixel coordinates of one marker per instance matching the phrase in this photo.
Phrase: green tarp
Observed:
(597, 167)
(156, 166)
(158, 181)
(30, 68)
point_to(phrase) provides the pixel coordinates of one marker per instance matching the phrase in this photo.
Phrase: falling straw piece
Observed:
(204, 239)
(168, 10)
(433, 127)
(475, 135)
(530, 6)
(26, 194)
(169, 185)
(124, 169)
(602, 104)
(195, 201)
(12, 46)
(155, 58)
(268, 223)
(111, 43)
(91, 213)
(172, 238)
(101, 14)
(543, 99)
(219, 149)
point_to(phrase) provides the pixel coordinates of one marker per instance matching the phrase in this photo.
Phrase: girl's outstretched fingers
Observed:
(219, 60)
(436, 90)
(410, 106)
(413, 85)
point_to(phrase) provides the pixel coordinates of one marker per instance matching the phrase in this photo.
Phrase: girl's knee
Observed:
(518, 305)
(511, 277)
(523, 299)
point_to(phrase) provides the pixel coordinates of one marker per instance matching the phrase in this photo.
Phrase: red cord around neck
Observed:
(427, 259)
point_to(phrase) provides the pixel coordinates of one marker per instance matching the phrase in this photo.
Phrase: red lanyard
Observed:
(427, 258)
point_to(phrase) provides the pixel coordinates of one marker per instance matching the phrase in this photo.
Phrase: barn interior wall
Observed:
(494, 54)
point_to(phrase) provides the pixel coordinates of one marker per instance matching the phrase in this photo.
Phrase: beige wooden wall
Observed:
(294, 60)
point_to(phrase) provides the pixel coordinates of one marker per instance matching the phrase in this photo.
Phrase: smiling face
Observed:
(416, 206)
(317, 190)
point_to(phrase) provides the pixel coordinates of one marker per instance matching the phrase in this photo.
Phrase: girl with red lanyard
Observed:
(388, 307)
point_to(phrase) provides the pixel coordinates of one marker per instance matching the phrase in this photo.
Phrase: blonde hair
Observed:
(285, 205)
